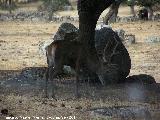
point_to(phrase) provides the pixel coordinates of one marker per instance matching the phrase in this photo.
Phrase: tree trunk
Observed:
(108, 15)
(132, 11)
(89, 12)
(5, 3)
(150, 13)
(50, 14)
(87, 26)
(112, 14)
(10, 6)
(50, 9)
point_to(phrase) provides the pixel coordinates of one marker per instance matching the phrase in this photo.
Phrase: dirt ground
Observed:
(20, 45)
(19, 50)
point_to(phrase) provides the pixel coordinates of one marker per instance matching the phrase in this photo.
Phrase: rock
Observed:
(35, 19)
(156, 17)
(4, 18)
(113, 53)
(121, 34)
(62, 105)
(4, 59)
(152, 39)
(121, 113)
(127, 19)
(142, 78)
(25, 16)
(78, 107)
(68, 70)
(100, 26)
(53, 105)
(20, 101)
(129, 39)
(67, 8)
(66, 32)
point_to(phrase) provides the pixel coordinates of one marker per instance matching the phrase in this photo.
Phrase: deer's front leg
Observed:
(77, 94)
(46, 83)
(52, 74)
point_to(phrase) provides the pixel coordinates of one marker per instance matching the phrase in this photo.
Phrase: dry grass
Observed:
(22, 40)
(19, 49)
(19, 45)
(140, 29)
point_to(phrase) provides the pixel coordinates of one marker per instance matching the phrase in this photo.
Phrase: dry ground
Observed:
(19, 48)
(19, 45)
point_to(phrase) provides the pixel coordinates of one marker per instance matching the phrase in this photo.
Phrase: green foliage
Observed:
(6, 6)
(130, 2)
(54, 5)
(146, 3)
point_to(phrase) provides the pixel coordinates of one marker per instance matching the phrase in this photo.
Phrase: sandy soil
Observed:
(19, 49)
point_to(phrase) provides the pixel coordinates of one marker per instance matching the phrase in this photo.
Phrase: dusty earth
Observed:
(22, 69)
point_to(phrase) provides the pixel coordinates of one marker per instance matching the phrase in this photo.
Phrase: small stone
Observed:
(4, 59)
(78, 107)
(130, 39)
(141, 78)
(152, 39)
(20, 101)
(11, 115)
(44, 102)
(62, 105)
(53, 105)
(4, 112)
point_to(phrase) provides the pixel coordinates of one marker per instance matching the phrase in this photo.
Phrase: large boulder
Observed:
(114, 55)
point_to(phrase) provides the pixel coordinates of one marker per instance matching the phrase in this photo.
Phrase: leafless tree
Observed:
(113, 12)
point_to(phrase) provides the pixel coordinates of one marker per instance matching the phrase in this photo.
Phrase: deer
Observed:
(64, 53)
(67, 50)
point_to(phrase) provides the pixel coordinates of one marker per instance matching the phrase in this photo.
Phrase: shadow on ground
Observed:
(138, 88)
(31, 81)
